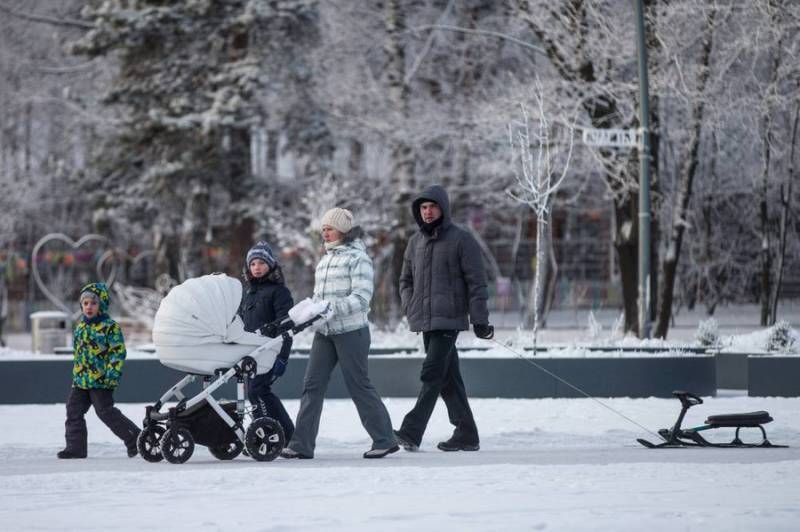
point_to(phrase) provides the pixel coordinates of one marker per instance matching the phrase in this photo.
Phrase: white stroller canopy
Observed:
(202, 311)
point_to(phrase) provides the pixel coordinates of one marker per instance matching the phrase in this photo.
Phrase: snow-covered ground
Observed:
(551, 464)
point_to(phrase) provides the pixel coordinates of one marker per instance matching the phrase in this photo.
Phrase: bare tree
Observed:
(540, 159)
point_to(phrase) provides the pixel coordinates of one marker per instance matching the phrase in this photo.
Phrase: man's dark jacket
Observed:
(443, 278)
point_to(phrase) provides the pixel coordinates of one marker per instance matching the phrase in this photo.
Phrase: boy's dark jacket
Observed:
(265, 300)
(98, 346)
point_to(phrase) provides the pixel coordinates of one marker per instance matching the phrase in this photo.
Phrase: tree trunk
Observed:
(541, 290)
(626, 242)
(763, 218)
(653, 48)
(402, 155)
(786, 200)
(194, 256)
(165, 242)
(552, 277)
(239, 243)
(763, 211)
(671, 257)
(27, 141)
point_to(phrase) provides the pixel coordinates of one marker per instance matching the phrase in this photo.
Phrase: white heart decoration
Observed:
(75, 245)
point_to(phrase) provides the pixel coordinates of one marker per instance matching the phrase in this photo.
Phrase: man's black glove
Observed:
(483, 331)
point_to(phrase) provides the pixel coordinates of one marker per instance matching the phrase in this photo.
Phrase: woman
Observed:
(344, 278)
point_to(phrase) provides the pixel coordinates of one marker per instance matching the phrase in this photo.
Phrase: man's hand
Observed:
(483, 331)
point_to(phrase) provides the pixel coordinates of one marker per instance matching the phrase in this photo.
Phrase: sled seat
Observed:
(750, 419)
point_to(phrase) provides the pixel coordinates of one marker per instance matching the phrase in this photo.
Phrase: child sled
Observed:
(198, 331)
(679, 437)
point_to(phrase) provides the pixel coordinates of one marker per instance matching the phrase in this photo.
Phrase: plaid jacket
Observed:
(344, 278)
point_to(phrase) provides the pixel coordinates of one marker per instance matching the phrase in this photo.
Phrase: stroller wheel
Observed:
(149, 443)
(264, 439)
(177, 446)
(228, 451)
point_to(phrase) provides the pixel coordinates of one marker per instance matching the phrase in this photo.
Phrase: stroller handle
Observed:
(285, 324)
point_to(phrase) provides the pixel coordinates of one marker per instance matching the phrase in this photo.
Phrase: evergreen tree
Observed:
(187, 92)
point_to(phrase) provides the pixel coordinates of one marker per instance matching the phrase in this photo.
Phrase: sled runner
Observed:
(678, 437)
(198, 331)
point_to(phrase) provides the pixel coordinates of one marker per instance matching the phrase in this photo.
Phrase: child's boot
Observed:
(66, 453)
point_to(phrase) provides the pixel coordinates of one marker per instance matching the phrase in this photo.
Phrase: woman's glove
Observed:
(483, 331)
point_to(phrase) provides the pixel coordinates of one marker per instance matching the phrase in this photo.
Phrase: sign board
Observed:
(615, 138)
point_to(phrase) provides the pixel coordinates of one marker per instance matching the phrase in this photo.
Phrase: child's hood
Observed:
(101, 291)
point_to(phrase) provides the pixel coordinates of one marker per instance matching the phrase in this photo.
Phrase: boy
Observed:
(266, 298)
(99, 351)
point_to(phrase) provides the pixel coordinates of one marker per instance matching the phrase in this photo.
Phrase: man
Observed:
(443, 289)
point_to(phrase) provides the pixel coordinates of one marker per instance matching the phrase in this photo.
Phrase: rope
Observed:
(577, 389)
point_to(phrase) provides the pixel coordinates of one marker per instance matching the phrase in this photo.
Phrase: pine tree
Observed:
(187, 93)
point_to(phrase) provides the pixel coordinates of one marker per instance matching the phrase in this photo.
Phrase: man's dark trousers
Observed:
(441, 376)
(102, 399)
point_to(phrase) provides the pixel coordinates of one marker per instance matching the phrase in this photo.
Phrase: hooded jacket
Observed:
(344, 277)
(443, 280)
(264, 300)
(98, 346)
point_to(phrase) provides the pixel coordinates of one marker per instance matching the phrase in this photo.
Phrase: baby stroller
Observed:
(197, 330)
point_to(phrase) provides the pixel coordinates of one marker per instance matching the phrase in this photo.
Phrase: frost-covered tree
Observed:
(46, 127)
(541, 152)
(590, 47)
(186, 90)
(673, 240)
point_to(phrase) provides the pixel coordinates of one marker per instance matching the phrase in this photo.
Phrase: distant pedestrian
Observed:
(343, 277)
(443, 289)
(266, 298)
(98, 355)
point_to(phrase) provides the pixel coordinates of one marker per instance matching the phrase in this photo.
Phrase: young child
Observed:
(99, 351)
(266, 298)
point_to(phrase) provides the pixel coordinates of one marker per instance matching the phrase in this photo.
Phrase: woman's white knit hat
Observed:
(339, 219)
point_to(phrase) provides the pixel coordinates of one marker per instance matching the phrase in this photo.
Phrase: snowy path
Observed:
(565, 464)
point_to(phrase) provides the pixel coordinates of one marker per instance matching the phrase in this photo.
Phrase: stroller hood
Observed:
(202, 311)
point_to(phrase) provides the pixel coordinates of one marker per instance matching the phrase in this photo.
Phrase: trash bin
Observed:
(49, 329)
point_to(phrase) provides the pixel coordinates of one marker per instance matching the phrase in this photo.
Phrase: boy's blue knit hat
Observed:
(264, 252)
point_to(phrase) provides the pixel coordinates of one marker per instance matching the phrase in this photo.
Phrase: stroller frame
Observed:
(679, 437)
(165, 435)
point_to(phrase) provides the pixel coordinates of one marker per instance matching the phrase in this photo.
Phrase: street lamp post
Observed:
(644, 178)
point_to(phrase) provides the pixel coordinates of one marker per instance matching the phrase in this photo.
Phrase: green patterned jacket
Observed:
(98, 347)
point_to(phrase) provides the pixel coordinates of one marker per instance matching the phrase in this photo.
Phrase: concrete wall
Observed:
(732, 370)
(145, 380)
(777, 375)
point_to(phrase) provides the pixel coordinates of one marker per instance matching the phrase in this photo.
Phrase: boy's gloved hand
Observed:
(483, 331)
(279, 367)
(270, 330)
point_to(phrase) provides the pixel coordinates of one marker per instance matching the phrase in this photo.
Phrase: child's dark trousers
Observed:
(78, 404)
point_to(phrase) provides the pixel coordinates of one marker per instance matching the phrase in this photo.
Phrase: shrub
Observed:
(781, 338)
(707, 334)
